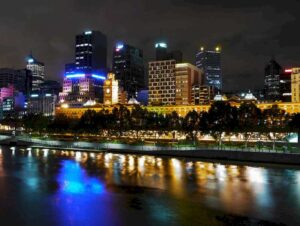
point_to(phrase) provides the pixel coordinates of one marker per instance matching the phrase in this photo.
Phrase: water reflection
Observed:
(172, 186)
(73, 179)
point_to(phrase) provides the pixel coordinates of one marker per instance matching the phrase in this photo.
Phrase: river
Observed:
(62, 188)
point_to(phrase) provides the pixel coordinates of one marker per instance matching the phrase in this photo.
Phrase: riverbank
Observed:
(223, 155)
(212, 153)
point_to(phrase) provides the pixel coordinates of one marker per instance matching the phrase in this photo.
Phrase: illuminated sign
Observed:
(34, 95)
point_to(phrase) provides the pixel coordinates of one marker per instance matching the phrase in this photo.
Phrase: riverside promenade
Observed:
(249, 155)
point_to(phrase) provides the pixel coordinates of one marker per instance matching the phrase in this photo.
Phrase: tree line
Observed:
(221, 118)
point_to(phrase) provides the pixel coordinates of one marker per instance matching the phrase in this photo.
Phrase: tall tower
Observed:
(210, 62)
(128, 66)
(38, 72)
(90, 52)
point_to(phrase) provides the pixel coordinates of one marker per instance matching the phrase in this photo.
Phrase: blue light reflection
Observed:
(74, 180)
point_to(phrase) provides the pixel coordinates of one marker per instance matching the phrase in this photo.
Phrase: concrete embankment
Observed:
(241, 156)
(188, 152)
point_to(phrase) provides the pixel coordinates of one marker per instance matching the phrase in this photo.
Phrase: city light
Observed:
(75, 76)
(119, 46)
(288, 70)
(30, 60)
(98, 76)
(161, 45)
(34, 95)
(88, 32)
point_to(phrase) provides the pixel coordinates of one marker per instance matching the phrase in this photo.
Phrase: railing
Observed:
(142, 147)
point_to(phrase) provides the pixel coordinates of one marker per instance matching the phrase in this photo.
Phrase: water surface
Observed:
(52, 187)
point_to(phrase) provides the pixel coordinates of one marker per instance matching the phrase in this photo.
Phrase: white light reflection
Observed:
(141, 164)
(256, 175)
(177, 167)
(92, 155)
(221, 172)
(77, 156)
(131, 163)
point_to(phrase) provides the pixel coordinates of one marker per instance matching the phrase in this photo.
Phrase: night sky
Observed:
(250, 32)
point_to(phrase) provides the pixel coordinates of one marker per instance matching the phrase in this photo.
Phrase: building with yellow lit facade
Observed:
(295, 85)
(186, 76)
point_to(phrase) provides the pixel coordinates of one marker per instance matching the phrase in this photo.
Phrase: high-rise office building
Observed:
(84, 79)
(272, 81)
(210, 62)
(128, 68)
(42, 104)
(295, 85)
(38, 72)
(186, 76)
(20, 79)
(90, 52)
(162, 82)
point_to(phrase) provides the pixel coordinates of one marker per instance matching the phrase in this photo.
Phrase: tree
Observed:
(221, 118)
(190, 124)
(138, 119)
(295, 125)
(275, 120)
(249, 117)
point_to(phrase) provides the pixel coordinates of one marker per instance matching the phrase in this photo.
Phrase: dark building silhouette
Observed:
(90, 52)
(51, 87)
(161, 53)
(272, 81)
(20, 79)
(128, 67)
(209, 61)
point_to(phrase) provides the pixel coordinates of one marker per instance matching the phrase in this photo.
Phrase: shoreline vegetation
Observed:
(223, 126)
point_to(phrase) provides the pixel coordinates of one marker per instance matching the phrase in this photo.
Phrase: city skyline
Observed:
(259, 35)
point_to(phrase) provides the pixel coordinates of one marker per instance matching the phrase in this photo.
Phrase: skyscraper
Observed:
(161, 76)
(90, 52)
(272, 81)
(210, 62)
(84, 79)
(128, 66)
(38, 72)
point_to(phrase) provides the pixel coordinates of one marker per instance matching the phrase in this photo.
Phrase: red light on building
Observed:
(288, 70)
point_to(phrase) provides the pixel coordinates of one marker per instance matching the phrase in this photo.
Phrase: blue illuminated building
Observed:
(84, 78)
